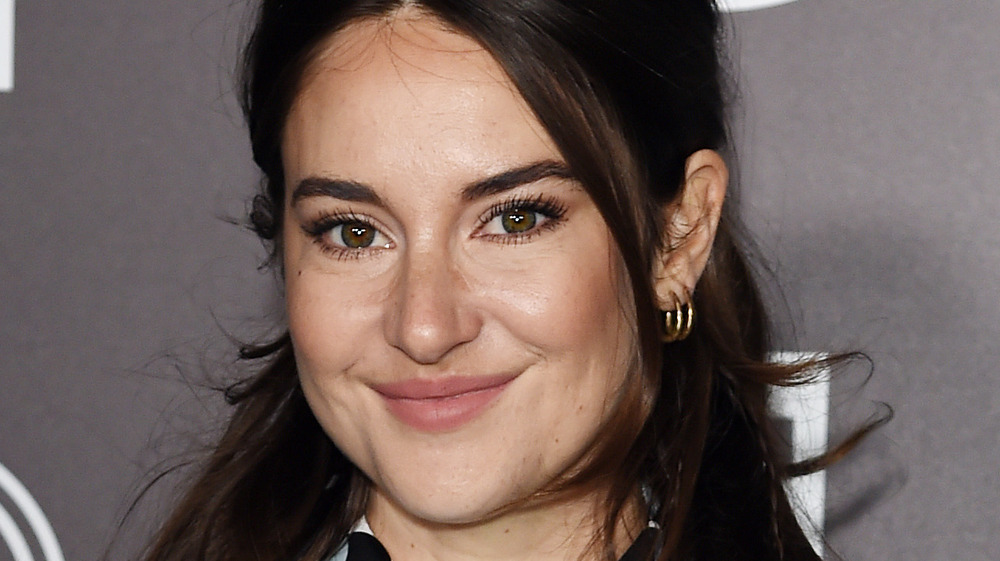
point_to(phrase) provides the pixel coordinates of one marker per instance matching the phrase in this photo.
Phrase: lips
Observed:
(442, 404)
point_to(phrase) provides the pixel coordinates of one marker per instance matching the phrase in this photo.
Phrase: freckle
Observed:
(412, 546)
(507, 531)
(557, 441)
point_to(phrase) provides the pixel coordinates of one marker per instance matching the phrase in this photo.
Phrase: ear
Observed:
(691, 222)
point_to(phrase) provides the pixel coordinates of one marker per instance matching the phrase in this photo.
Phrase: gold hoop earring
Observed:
(679, 322)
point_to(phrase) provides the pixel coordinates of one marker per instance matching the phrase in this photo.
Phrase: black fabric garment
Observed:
(645, 547)
(364, 547)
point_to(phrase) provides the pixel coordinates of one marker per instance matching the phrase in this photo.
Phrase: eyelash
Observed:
(321, 227)
(548, 207)
(552, 211)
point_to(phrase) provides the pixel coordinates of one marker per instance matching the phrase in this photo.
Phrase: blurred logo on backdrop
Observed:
(747, 5)
(6, 45)
(802, 415)
(23, 526)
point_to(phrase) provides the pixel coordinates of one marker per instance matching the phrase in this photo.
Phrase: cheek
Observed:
(312, 323)
(319, 349)
(331, 305)
(570, 304)
(330, 319)
(331, 331)
(568, 310)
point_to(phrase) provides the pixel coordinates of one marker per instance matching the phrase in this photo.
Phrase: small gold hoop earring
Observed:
(679, 322)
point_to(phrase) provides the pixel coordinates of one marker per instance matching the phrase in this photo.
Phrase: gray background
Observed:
(869, 144)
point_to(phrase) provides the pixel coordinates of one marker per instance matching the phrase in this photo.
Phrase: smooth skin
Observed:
(416, 247)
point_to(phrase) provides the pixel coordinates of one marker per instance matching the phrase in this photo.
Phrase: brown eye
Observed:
(357, 235)
(518, 221)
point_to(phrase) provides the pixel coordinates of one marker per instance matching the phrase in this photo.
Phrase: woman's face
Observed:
(454, 297)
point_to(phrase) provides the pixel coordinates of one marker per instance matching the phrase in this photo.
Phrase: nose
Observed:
(430, 314)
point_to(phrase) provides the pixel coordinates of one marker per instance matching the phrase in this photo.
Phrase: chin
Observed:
(446, 503)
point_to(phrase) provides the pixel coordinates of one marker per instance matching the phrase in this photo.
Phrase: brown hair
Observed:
(627, 89)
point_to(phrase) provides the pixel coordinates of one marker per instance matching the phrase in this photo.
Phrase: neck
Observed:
(553, 531)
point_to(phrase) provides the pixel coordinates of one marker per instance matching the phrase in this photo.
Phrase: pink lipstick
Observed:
(441, 404)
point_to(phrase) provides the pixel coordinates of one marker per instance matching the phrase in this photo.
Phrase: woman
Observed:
(495, 221)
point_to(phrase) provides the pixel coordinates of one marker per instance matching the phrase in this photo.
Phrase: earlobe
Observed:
(691, 221)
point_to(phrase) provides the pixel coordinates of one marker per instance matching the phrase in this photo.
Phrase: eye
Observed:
(518, 221)
(345, 235)
(355, 235)
(519, 218)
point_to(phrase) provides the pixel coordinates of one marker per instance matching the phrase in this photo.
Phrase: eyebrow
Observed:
(516, 177)
(347, 190)
(342, 189)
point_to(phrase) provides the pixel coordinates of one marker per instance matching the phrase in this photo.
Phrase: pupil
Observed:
(357, 235)
(518, 221)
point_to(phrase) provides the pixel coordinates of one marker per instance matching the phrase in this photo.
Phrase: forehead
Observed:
(407, 37)
(405, 88)
(390, 100)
